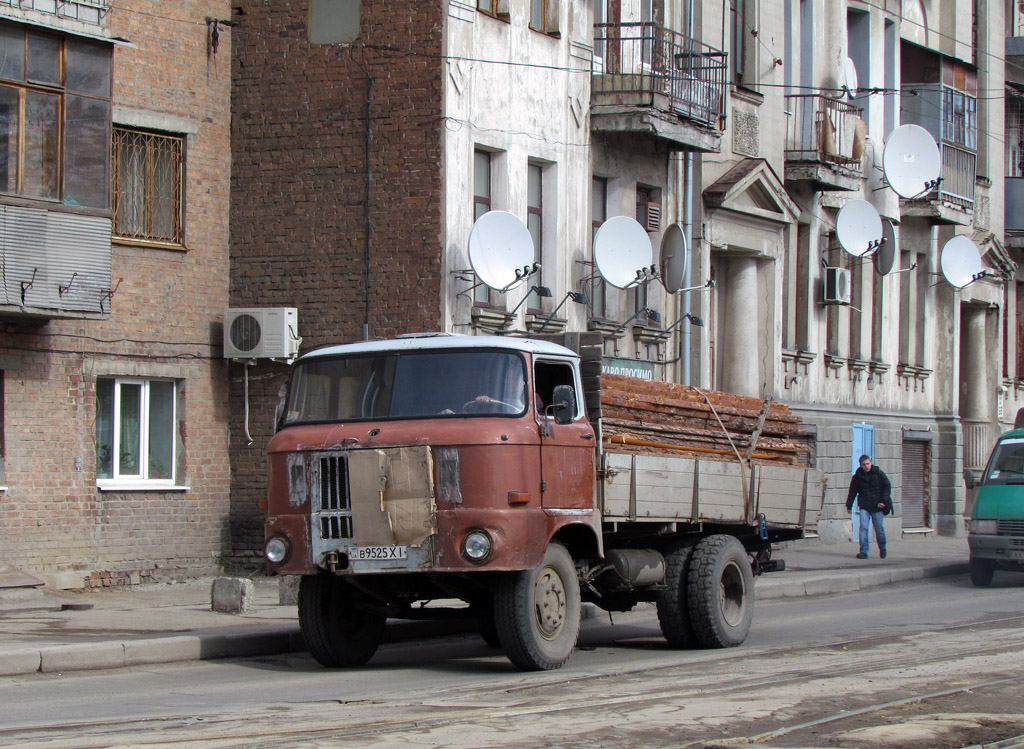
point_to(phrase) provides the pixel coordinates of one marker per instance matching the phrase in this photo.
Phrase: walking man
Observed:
(872, 490)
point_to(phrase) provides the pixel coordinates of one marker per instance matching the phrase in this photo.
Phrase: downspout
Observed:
(366, 208)
(684, 341)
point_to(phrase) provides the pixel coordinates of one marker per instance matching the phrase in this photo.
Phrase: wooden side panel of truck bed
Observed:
(672, 488)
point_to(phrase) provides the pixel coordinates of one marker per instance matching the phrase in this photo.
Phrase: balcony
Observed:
(86, 11)
(950, 115)
(56, 264)
(823, 148)
(647, 79)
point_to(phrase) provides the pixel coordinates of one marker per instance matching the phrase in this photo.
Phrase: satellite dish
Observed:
(885, 258)
(849, 78)
(673, 258)
(501, 250)
(622, 251)
(911, 161)
(961, 262)
(859, 227)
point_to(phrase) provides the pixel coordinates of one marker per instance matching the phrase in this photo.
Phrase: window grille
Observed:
(148, 175)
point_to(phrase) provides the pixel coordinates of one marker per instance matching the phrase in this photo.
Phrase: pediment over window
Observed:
(752, 187)
(994, 255)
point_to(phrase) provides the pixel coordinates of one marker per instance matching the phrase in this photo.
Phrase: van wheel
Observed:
(336, 631)
(981, 572)
(721, 592)
(537, 612)
(673, 611)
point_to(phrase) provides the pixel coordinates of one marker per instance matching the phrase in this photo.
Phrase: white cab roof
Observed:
(442, 341)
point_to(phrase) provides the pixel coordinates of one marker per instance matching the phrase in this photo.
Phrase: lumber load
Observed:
(651, 417)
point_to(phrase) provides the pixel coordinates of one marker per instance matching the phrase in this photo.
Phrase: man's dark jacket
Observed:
(870, 488)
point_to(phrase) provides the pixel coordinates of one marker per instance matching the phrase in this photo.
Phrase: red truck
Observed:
(462, 468)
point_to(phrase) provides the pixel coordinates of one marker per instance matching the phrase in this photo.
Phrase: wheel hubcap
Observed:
(731, 595)
(549, 594)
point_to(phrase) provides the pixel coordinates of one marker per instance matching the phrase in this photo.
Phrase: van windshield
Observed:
(406, 385)
(1006, 466)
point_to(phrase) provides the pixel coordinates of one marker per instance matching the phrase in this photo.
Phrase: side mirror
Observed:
(969, 480)
(564, 404)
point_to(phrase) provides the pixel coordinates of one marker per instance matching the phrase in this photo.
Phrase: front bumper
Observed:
(1008, 551)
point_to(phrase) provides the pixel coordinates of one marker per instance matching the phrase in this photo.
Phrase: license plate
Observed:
(377, 553)
(1017, 556)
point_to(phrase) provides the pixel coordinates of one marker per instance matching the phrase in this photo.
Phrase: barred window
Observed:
(148, 176)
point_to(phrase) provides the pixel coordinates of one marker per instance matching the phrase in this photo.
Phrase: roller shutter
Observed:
(916, 483)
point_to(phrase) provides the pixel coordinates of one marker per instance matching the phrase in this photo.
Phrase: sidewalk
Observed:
(59, 631)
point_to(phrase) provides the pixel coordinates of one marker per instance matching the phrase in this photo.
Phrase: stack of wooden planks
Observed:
(655, 417)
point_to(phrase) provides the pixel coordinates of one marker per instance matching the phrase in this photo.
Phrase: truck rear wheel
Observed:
(537, 612)
(981, 572)
(336, 631)
(673, 611)
(721, 592)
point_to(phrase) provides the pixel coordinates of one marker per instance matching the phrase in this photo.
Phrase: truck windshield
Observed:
(406, 385)
(1006, 466)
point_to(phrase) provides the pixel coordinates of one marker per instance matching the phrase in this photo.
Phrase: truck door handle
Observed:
(586, 436)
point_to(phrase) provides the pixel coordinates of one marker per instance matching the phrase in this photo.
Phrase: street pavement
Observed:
(67, 630)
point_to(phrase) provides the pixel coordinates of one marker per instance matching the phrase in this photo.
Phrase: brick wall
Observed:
(164, 320)
(299, 214)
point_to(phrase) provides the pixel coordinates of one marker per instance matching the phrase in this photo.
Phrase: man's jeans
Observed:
(867, 519)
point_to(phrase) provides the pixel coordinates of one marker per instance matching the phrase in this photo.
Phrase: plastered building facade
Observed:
(750, 125)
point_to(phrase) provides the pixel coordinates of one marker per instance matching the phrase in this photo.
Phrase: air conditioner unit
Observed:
(651, 218)
(837, 286)
(261, 333)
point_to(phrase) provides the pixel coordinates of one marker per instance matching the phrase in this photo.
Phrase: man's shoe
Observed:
(881, 553)
(861, 555)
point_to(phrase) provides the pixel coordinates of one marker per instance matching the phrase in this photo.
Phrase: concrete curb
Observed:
(825, 584)
(238, 642)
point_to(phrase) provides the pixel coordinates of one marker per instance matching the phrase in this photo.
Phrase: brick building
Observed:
(115, 151)
(342, 223)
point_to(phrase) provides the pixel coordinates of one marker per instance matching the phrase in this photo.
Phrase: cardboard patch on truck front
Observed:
(393, 495)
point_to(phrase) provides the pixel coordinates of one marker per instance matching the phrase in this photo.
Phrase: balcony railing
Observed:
(821, 128)
(645, 58)
(88, 11)
(959, 175)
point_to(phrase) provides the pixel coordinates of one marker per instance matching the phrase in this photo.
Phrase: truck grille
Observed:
(1011, 527)
(334, 514)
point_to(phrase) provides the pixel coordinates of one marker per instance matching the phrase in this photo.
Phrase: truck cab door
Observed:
(568, 449)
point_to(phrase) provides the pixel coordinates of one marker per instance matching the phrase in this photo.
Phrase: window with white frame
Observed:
(136, 425)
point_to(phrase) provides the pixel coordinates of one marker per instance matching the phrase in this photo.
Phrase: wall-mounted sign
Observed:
(628, 367)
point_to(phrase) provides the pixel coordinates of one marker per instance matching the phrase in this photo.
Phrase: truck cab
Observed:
(996, 530)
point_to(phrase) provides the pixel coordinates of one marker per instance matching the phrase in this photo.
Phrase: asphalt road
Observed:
(932, 663)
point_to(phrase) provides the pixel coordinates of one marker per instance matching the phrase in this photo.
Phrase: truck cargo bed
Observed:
(676, 488)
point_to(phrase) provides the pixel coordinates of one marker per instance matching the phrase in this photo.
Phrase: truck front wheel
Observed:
(981, 572)
(537, 612)
(721, 592)
(336, 631)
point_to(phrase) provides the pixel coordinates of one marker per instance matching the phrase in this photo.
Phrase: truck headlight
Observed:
(984, 527)
(477, 546)
(277, 549)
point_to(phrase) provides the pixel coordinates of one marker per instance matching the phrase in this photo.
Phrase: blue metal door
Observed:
(863, 444)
